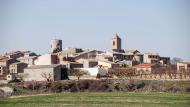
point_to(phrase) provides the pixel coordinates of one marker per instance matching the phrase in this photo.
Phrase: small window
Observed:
(113, 43)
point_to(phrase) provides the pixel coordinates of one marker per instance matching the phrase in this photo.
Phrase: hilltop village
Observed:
(62, 64)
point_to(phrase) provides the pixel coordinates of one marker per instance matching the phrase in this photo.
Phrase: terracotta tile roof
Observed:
(3, 59)
(12, 52)
(145, 65)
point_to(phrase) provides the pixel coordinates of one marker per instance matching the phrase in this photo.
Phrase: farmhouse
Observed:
(183, 66)
(151, 57)
(45, 73)
(17, 67)
(146, 68)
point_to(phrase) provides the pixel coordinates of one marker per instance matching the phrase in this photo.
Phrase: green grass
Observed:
(100, 100)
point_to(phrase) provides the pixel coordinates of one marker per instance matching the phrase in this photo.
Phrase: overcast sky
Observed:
(146, 25)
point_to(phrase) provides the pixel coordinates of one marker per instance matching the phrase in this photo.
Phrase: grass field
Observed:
(100, 100)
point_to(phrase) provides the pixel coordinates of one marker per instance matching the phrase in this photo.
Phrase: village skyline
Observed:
(107, 49)
(150, 25)
(99, 53)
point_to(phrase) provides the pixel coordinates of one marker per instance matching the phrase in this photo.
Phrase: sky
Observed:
(161, 26)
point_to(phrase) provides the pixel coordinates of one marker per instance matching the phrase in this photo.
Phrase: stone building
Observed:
(165, 60)
(151, 58)
(134, 55)
(27, 59)
(71, 65)
(108, 64)
(145, 68)
(47, 59)
(70, 51)
(104, 57)
(45, 73)
(88, 54)
(4, 64)
(183, 66)
(15, 54)
(116, 43)
(17, 67)
(56, 46)
(3, 70)
(29, 53)
(5, 61)
(90, 63)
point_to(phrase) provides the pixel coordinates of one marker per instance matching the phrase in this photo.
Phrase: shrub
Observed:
(56, 87)
(2, 94)
(173, 89)
(131, 87)
(141, 85)
(84, 85)
(188, 89)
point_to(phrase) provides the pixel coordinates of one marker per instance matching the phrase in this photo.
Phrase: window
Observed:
(113, 43)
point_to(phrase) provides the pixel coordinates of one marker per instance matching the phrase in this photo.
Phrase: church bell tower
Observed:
(116, 43)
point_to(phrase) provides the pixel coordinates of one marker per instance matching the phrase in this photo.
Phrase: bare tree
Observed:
(48, 76)
(79, 73)
(171, 70)
(159, 71)
(141, 72)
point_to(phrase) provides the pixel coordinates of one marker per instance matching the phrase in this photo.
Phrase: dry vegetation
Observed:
(104, 85)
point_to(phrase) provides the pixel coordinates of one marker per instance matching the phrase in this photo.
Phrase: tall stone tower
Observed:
(56, 45)
(116, 43)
